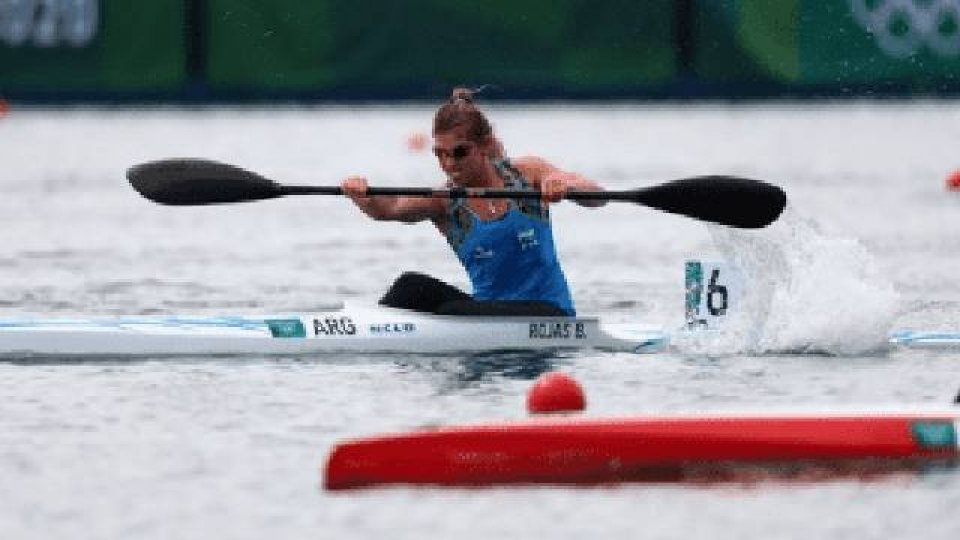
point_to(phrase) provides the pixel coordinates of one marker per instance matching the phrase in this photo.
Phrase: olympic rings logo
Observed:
(48, 23)
(903, 27)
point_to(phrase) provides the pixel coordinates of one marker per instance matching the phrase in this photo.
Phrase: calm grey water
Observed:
(232, 448)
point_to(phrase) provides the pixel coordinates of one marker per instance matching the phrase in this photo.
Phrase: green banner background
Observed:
(325, 44)
(814, 42)
(139, 46)
(270, 49)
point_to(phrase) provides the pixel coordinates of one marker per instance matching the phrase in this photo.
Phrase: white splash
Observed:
(803, 292)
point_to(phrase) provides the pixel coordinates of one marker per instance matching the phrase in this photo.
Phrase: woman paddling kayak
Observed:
(506, 246)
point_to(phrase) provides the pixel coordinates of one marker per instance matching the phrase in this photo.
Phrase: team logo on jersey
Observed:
(481, 252)
(527, 239)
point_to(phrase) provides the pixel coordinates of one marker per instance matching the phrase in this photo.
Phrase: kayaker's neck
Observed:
(488, 177)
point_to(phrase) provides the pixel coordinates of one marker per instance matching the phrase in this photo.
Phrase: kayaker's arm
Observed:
(390, 208)
(554, 183)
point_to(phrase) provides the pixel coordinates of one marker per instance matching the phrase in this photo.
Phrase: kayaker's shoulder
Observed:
(532, 167)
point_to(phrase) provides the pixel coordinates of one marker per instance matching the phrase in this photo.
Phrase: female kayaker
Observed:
(506, 246)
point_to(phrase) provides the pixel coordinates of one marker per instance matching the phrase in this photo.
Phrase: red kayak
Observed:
(574, 450)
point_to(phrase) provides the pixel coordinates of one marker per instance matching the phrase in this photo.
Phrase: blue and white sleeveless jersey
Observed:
(513, 257)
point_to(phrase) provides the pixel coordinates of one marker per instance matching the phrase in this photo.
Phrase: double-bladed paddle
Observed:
(728, 200)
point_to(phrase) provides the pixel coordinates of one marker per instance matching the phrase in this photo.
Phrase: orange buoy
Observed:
(953, 181)
(4, 107)
(555, 392)
(417, 142)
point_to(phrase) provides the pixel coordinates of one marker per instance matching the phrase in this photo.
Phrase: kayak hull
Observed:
(374, 329)
(349, 329)
(574, 450)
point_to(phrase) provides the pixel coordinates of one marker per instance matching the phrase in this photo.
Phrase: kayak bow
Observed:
(670, 448)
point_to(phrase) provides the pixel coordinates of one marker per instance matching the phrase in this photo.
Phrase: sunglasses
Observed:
(458, 152)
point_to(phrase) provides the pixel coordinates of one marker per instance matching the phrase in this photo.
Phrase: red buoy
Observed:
(555, 392)
(4, 107)
(953, 181)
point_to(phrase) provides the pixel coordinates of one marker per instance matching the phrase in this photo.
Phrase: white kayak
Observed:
(350, 328)
(360, 329)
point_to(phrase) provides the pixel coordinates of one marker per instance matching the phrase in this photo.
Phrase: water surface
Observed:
(191, 447)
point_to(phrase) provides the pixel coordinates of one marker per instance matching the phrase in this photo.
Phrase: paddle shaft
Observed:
(451, 193)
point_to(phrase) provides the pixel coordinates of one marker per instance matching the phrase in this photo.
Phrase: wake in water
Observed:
(803, 292)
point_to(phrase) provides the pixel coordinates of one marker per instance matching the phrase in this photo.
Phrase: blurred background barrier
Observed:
(422, 47)
(235, 50)
(66, 47)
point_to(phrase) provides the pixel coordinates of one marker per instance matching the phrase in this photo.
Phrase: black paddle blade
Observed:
(728, 200)
(188, 181)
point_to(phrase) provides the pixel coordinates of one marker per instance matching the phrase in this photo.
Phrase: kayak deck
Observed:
(341, 329)
(672, 448)
(374, 329)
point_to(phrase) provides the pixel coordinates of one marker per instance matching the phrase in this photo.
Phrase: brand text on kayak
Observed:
(557, 330)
